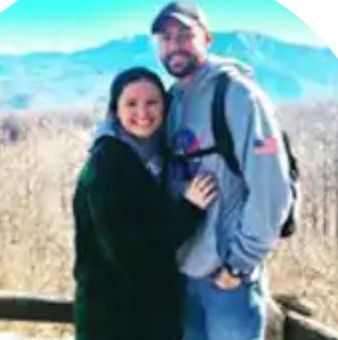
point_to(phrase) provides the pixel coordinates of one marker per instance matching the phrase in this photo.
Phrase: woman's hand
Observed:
(202, 191)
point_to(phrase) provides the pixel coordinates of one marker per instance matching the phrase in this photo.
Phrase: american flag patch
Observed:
(267, 146)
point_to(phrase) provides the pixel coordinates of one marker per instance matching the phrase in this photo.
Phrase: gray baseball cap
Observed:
(188, 14)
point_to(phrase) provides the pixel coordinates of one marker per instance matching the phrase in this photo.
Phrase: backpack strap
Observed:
(222, 134)
(224, 144)
(293, 164)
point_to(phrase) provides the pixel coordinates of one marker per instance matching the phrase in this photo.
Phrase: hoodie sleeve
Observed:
(263, 161)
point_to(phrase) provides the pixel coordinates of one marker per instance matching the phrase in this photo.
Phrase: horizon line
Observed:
(9, 51)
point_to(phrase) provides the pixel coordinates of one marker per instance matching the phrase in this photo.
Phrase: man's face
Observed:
(182, 49)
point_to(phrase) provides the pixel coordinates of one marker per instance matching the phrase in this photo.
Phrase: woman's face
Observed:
(140, 108)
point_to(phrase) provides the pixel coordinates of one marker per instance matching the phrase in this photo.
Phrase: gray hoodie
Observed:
(243, 225)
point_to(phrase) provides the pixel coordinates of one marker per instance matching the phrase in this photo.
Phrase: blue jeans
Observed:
(215, 314)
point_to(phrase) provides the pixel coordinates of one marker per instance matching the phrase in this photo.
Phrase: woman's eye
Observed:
(131, 103)
(152, 102)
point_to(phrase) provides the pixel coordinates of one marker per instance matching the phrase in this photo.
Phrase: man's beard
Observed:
(189, 68)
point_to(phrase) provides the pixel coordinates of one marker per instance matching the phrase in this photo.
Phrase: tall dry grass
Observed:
(37, 176)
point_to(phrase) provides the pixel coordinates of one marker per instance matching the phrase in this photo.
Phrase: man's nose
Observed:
(173, 44)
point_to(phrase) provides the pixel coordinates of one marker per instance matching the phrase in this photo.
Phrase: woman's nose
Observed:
(142, 111)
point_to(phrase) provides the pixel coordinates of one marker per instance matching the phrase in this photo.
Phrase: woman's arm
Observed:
(131, 212)
(112, 202)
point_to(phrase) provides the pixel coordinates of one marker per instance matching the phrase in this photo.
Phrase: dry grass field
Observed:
(37, 174)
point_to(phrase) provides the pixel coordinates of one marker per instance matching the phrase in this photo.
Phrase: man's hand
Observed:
(224, 280)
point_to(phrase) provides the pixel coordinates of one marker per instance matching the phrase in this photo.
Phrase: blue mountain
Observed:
(63, 80)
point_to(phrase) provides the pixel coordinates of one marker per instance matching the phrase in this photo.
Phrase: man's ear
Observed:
(208, 38)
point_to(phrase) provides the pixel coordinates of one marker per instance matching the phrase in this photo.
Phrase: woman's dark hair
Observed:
(127, 77)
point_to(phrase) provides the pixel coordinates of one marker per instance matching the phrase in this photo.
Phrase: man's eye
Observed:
(185, 36)
(165, 37)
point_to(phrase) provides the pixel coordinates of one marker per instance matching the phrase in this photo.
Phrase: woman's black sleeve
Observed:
(130, 210)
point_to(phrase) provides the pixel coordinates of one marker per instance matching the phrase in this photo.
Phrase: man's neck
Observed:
(187, 79)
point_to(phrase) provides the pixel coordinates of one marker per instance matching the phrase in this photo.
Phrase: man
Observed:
(222, 263)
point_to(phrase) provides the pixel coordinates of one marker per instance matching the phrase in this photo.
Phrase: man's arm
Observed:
(260, 151)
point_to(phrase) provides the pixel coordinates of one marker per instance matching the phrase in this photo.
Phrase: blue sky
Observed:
(63, 25)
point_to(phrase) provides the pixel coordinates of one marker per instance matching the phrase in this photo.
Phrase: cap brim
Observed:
(184, 20)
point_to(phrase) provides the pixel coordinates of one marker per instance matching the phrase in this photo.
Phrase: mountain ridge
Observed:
(287, 71)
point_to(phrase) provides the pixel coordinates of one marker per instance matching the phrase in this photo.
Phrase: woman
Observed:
(127, 228)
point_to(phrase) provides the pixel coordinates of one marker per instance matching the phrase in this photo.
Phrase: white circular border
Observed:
(4, 4)
(320, 15)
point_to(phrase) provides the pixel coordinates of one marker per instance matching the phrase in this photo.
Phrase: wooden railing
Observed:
(284, 324)
(36, 308)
